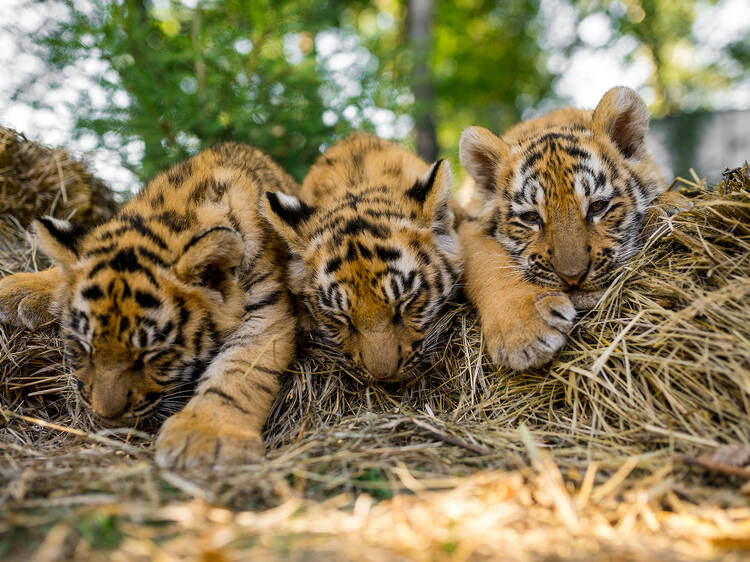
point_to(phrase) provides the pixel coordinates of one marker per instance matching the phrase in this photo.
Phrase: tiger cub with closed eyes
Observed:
(181, 296)
(564, 199)
(374, 253)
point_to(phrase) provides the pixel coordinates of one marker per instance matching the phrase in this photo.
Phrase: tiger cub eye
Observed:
(598, 206)
(531, 217)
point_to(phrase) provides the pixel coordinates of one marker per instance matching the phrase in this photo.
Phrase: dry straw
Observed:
(580, 460)
(36, 180)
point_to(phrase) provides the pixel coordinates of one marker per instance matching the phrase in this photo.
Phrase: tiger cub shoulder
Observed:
(375, 256)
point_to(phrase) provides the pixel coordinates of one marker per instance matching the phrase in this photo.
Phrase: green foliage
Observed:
(374, 482)
(179, 78)
(100, 530)
(488, 64)
(242, 70)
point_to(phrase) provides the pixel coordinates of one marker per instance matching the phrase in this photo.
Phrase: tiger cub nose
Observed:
(572, 280)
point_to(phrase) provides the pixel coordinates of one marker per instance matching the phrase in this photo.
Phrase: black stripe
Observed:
(420, 189)
(197, 238)
(92, 293)
(173, 221)
(250, 282)
(146, 300)
(228, 399)
(293, 215)
(100, 250)
(126, 260)
(387, 254)
(268, 300)
(333, 265)
(531, 159)
(151, 256)
(359, 225)
(576, 152)
(69, 236)
(364, 251)
(96, 269)
(137, 224)
(351, 252)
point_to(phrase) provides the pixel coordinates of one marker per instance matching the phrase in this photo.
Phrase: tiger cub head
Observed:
(139, 327)
(567, 194)
(374, 270)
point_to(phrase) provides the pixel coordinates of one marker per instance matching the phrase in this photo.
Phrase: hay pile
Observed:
(587, 459)
(36, 180)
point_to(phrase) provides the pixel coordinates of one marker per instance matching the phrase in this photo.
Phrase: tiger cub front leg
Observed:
(222, 423)
(523, 324)
(28, 299)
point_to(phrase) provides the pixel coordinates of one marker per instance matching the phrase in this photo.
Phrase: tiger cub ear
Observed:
(287, 215)
(623, 117)
(210, 257)
(432, 191)
(482, 152)
(59, 240)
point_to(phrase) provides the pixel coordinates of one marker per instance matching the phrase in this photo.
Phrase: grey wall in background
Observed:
(706, 142)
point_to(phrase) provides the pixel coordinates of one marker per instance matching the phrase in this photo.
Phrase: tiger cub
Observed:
(179, 296)
(564, 199)
(374, 254)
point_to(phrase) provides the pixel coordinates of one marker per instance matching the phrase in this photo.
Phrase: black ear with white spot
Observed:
(210, 258)
(432, 191)
(287, 215)
(623, 117)
(59, 239)
(482, 152)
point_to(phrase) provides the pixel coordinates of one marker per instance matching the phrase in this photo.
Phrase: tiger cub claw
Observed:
(192, 439)
(24, 302)
(535, 333)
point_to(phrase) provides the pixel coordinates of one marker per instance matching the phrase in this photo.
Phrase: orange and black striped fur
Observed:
(374, 253)
(563, 201)
(179, 298)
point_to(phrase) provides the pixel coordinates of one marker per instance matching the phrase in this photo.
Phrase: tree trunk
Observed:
(419, 22)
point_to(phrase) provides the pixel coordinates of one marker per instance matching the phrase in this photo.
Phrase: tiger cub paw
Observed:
(585, 300)
(195, 438)
(25, 300)
(533, 333)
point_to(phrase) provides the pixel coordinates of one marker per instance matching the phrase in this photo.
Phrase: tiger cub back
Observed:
(179, 298)
(374, 254)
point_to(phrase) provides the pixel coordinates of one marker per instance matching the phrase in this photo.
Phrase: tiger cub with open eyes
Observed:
(180, 296)
(374, 253)
(564, 199)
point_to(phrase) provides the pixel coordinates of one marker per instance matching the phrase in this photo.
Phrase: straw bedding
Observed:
(590, 458)
(36, 180)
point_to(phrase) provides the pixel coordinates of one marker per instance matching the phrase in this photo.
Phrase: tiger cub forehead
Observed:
(360, 163)
(559, 163)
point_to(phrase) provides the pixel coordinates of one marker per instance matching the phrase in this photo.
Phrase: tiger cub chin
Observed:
(564, 199)
(374, 254)
(178, 298)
